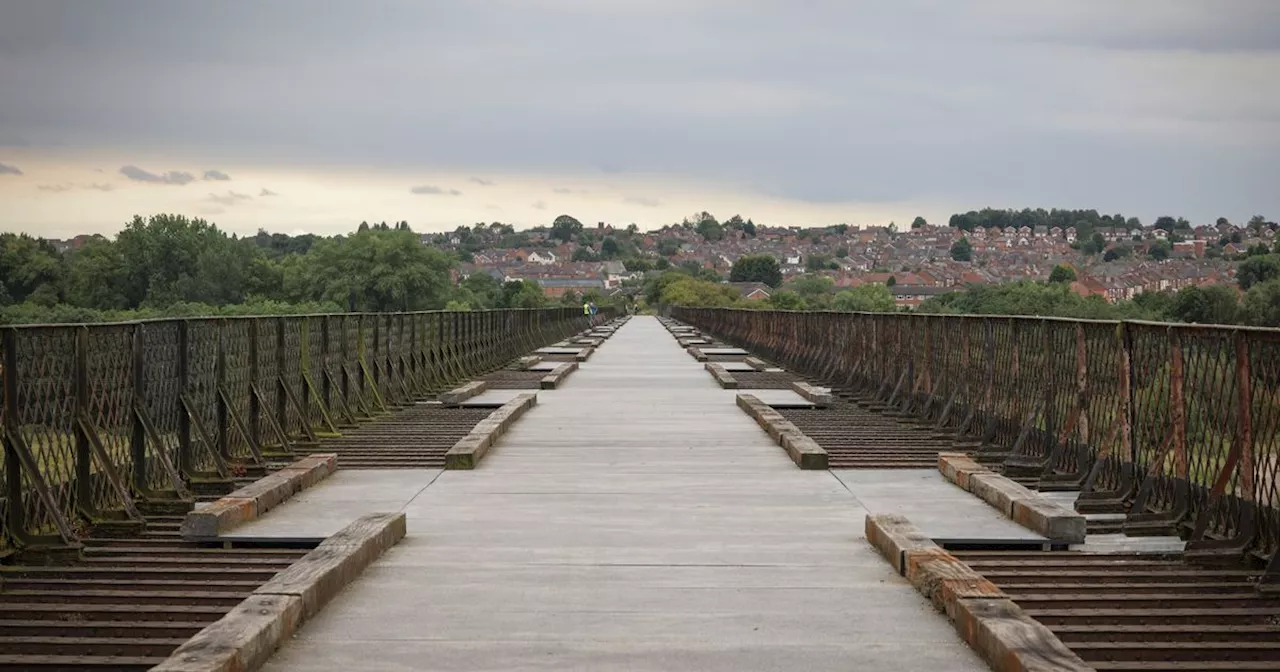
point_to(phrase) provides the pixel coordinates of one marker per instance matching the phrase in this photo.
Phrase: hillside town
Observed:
(923, 260)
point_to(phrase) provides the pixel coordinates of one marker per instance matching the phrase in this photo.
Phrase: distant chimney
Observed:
(600, 225)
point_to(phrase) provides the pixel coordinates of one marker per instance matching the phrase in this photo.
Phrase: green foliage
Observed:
(1118, 252)
(891, 281)
(869, 298)
(584, 254)
(842, 252)
(814, 289)
(756, 268)
(1255, 270)
(1094, 244)
(819, 262)
(1062, 274)
(688, 291)
(1261, 305)
(1085, 221)
(668, 246)
(638, 265)
(521, 294)
(709, 228)
(1032, 298)
(1159, 250)
(787, 300)
(919, 223)
(460, 306)
(565, 228)
(1212, 304)
(30, 313)
(373, 270)
(30, 268)
(961, 250)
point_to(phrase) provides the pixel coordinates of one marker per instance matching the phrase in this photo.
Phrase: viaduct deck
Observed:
(634, 519)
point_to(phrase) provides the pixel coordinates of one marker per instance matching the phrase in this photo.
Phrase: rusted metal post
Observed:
(186, 461)
(138, 429)
(80, 387)
(1177, 402)
(222, 413)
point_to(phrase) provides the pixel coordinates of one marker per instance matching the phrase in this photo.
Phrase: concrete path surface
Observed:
(635, 519)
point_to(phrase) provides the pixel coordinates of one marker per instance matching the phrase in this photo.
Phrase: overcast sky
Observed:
(309, 115)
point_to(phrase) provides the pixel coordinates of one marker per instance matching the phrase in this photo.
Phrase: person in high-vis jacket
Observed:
(586, 308)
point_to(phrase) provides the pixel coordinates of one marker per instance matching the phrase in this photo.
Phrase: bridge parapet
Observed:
(1176, 425)
(98, 418)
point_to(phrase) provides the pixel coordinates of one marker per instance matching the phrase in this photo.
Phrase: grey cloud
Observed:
(1139, 106)
(172, 177)
(481, 181)
(539, 205)
(229, 198)
(6, 169)
(216, 176)
(431, 190)
(267, 192)
(643, 201)
(59, 188)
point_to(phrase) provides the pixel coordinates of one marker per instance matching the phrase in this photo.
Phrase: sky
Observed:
(311, 115)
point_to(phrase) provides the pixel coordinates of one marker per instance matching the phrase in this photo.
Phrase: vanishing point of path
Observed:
(636, 519)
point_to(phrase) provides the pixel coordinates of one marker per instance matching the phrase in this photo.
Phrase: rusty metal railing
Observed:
(1176, 425)
(97, 417)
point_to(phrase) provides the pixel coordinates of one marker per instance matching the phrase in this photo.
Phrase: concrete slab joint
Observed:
(470, 449)
(991, 623)
(552, 380)
(804, 451)
(246, 636)
(722, 376)
(256, 499)
(1020, 504)
(757, 363)
(820, 396)
(460, 394)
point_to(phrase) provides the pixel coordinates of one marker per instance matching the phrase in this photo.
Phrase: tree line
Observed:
(171, 265)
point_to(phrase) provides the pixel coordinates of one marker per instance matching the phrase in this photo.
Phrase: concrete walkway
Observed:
(635, 519)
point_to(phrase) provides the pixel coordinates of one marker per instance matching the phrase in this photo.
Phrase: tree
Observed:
(584, 253)
(1211, 304)
(842, 252)
(522, 294)
(668, 247)
(819, 262)
(786, 300)
(1261, 305)
(1167, 223)
(373, 270)
(919, 223)
(29, 266)
(609, 248)
(638, 265)
(687, 291)
(756, 268)
(892, 281)
(1159, 250)
(709, 228)
(1255, 270)
(961, 250)
(1062, 274)
(869, 298)
(814, 289)
(749, 229)
(565, 228)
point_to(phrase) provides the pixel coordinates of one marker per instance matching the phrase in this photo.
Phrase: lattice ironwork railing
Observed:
(97, 416)
(1178, 425)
